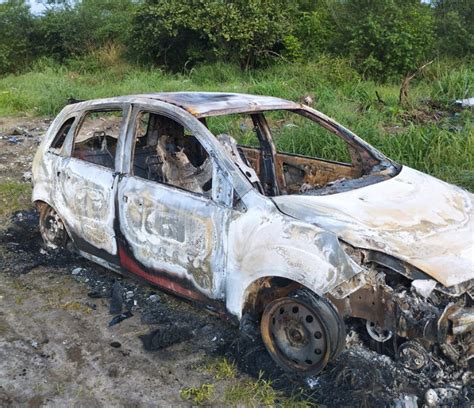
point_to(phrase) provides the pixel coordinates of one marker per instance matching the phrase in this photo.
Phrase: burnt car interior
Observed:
(280, 152)
(60, 137)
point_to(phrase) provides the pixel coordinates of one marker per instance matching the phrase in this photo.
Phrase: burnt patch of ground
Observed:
(54, 325)
(359, 377)
(24, 247)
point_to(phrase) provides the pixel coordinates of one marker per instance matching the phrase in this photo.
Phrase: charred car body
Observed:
(151, 185)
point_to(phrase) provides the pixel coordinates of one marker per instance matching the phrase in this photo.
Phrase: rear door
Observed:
(173, 227)
(85, 181)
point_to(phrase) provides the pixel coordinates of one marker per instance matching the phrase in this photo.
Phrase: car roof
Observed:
(202, 104)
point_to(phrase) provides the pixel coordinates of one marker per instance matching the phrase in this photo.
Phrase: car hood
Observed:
(414, 217)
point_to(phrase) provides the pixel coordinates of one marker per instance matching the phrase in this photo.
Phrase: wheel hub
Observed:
(298, 334)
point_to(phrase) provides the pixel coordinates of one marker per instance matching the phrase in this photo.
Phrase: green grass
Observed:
(427, 135)
(14, 197)
(260, 393)
(198, 395)
(221, 369)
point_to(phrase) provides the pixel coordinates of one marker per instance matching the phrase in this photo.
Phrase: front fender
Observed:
(263, 242)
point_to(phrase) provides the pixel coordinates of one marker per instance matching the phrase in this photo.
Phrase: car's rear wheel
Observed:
(52, 228)
(302, 332)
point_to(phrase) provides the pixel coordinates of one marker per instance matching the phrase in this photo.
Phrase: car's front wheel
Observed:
(302, 332)
(52, 228)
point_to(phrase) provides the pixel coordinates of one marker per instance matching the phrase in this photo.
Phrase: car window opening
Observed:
(308, 158)
(97, 137)
(166, 152)
(60, 137)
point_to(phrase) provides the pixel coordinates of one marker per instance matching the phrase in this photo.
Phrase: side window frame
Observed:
(138, 110)
(64, 149)
(222, 164)
(125, 108)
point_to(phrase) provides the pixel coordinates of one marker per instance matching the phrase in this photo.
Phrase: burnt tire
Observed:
(302, 332)
(52, 228)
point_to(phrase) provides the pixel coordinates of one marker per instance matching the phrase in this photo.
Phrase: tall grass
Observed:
(435, 140)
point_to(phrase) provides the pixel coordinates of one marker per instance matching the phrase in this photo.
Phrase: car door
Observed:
(85, 180)
(172, 222)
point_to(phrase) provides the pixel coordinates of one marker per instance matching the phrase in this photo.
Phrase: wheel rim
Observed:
(52, 229)
(295, 336)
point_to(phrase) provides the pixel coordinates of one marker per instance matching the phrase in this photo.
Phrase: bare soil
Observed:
(59, 345)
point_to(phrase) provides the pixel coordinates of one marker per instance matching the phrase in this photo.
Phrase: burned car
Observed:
(192, 193)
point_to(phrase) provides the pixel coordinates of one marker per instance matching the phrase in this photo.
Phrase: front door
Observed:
(172, 230)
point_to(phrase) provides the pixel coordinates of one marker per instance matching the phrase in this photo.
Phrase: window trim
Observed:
(81, 115)
(140, 109)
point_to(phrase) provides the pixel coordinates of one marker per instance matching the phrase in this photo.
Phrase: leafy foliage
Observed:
(175, 33)
(394, 39)
(455, 27)
(384, 39)
(16, 30)
(71, 30)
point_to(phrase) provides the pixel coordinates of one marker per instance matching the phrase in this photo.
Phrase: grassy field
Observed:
(428, 133)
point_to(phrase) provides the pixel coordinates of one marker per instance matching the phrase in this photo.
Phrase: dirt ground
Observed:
(60, 345)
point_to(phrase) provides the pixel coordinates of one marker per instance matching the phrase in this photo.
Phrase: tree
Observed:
(16, 29)
(175, 33)
(388, 38)
(72, 29)
(454, 26)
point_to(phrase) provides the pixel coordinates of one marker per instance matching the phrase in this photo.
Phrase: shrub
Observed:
(176, 33)
(389, 38)
(16, 29)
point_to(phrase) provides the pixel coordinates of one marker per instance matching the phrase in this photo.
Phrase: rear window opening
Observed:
(96, 138)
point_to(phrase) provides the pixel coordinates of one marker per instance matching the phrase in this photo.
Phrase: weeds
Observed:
(221, 369)
(440, 144)
(14, 197)
(260, 393)
(198, 395)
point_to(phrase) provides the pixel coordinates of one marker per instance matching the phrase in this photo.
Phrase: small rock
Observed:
(26, 176)
(129, 294)
(34, 344)
(13, 139)
(154, 298)
(115, 344)
(406, 401)
(43, 252)
(431, 398)
(76, 271)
